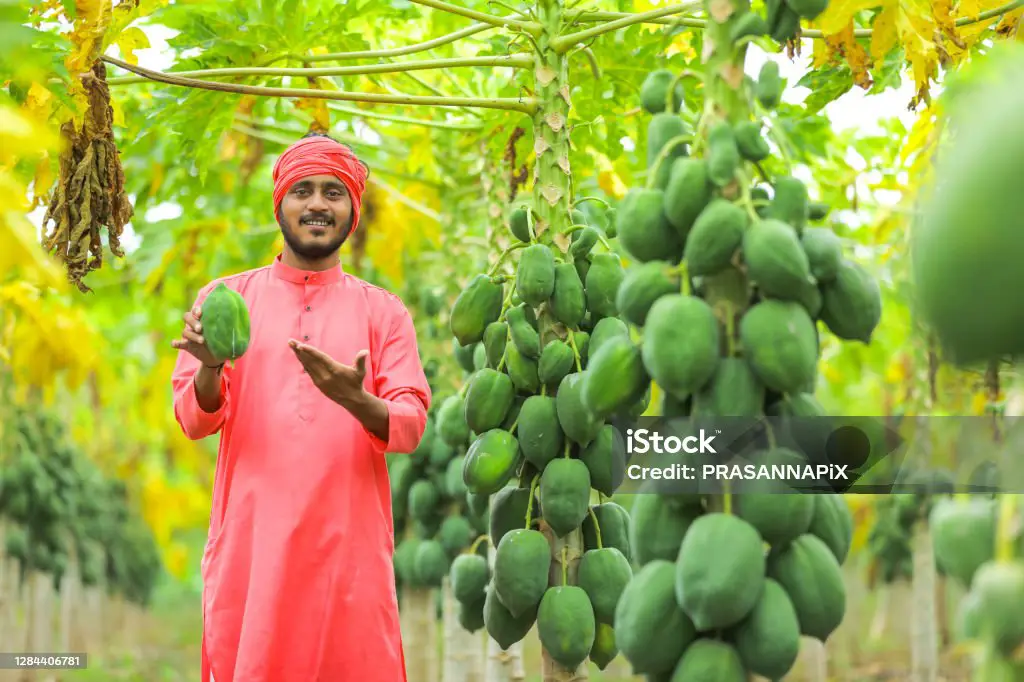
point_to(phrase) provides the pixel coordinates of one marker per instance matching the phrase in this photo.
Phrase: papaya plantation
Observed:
(790, 226)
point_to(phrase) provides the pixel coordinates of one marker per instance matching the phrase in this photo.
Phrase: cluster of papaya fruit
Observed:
(57, 503)
(436, 518)
(728, 281)
(540, 407)
(965, 536)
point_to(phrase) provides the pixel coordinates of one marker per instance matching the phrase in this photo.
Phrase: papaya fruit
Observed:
(456, 534)
(733, 391)
(602, 284)
(963, 536)
(451, 421)
(583, 241)
(479, 355)
(471, 615)
(641, 287)
(790, 203)
(643, 229)
(603, 574)
(651, 631)
(431, 563)
(661, 131)
(578, 423)
(612, 520)
(687, 191)
(851, 303)
(490, 462)
(475, 307)
(749, 140)
(581, 340)
(999, 586)
(749, 24)
(519, 225)
(465, 355)
(606, 329)
(966, 249)
(520, 575)
(811, 576)
(523, 334)
(582, 266)
(564, 494)
(833, 524)
(716, 235)
(768, 640)
(568, 303)
(454, 486)
(615, 377)
(424, 498)
(405, 561)
(605, 458)
(776, 260)
(808, 9)
(488, 399)
(556, 360)
(604, 650)
(780, 342)
(502, 626)
(226, 325)
(508, 511)
(786, 26)
(824, 252)
(523, 370)
(719, 571)
(654, 91)
(723, 154)
(769, 85)
(657, 528)
(469, 576)
(535, 274)
(495, 338)
(710, 660)
(539, 433)
(778, 517)
(566, 626)
(681, 344)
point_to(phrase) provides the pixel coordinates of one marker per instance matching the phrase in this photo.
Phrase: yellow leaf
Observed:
(131, 39)
(883, 32)
(839, 13)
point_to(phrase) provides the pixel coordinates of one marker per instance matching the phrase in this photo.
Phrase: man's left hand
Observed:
(341, 383)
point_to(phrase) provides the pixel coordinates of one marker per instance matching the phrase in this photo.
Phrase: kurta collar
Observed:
(289, 274)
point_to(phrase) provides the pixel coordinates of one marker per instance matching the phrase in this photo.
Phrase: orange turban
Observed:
(320, 156)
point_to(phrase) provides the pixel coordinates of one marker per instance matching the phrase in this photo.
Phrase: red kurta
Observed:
(298, 576)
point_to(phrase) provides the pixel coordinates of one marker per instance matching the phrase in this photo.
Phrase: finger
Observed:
(361, 362)
(316, 358)
(192, 322)
(197, 312)
(323, 357)
(193, 337)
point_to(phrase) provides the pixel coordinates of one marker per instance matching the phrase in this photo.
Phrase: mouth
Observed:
(317, 223)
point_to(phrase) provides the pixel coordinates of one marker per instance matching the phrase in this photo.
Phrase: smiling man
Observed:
(297, 570)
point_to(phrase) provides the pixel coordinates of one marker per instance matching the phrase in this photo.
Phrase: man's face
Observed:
(315, 216)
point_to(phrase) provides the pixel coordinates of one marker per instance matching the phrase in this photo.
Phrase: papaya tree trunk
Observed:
(419, 635)
(463, 650)
(922, 619)
(881, 617)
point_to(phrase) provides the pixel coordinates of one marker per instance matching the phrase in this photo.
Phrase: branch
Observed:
(526, 105)
(527, 26)
(512, 61)
(355, 111)
(562, 43)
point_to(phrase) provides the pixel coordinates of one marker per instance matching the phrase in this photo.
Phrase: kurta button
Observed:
(308, 308)
(306, 337)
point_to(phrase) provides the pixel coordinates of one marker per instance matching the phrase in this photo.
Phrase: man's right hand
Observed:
(192, 340)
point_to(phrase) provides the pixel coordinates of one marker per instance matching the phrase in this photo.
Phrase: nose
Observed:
(317, 202)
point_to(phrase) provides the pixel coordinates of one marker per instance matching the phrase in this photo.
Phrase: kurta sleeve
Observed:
(401, 383)
(196, 422)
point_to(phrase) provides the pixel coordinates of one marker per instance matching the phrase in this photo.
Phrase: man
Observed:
(297, 570)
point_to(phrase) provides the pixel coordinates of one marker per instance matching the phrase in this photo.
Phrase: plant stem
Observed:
(529, 504)
(518, 61)
(652, 174)
(525, 105)
(528, 26)
(443, 125)
(597, 528)
(563, 43)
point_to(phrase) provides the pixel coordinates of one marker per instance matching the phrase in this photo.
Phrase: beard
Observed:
(314, 251)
